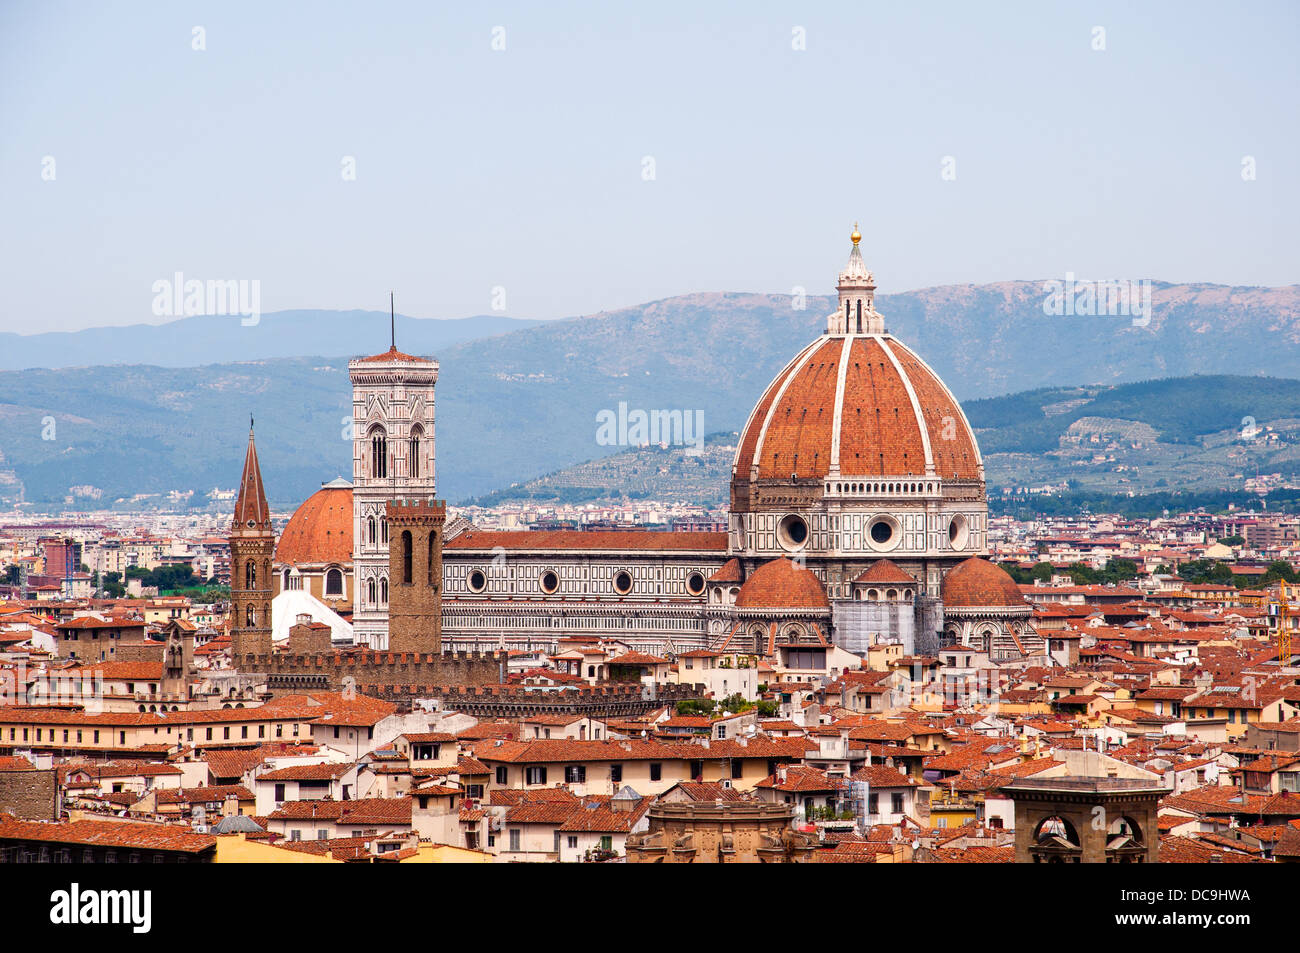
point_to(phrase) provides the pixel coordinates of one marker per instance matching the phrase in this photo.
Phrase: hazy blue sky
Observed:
(523, 168)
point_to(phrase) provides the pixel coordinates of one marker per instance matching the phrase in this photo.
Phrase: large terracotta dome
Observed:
(320, 531)
(976, 584)
(864, 402)
(780, 584)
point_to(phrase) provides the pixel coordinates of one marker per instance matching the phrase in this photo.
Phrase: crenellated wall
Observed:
(374, 673)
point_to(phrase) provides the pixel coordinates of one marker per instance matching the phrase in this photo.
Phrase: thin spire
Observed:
(392, 321)
(250, 505)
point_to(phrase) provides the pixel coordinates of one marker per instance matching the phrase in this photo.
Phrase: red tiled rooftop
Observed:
(116, 834)
(392, 354)
(320, 530)
(791, 429)
(885, 572)
(566, 539)
(780, 584)
(977, 582)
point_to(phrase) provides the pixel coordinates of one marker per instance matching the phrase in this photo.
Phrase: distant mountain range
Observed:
(212, 339)
(1173, 435)
(517, 405)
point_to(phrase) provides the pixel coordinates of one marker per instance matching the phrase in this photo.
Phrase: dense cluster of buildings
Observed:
(66, 558)
(1247, 543)
(837, 671)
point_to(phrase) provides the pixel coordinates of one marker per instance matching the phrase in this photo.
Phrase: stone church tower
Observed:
(252, 545)
(392, 459)
(415, 575)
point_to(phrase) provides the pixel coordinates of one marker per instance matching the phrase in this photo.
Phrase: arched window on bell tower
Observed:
(372, 536)
(406, 556)
(250, 575)
(413, 452)
(371, 597)
(379, 453)
(859, 315)
(432, 540)
(250, 617)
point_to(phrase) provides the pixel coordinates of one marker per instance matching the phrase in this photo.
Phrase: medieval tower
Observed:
(307, 660)
(415, 575)
(392, 459)
(252, 544)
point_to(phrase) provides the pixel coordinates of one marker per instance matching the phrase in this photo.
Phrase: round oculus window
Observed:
(477, 581)
(958, 532)
(883, 532)
(792, 531)
(695, 583)
(550, 581)
(622, 582)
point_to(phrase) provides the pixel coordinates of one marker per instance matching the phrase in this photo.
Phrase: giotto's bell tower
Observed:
(392, 459)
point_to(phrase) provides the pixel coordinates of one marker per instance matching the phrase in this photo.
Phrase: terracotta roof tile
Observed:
(375, 810)
(780, 584)
(886, 572)
(976, 582)
(565, 539)
(123, 835)
(320, 530)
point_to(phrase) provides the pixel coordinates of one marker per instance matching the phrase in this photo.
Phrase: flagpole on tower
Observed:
(392, 321)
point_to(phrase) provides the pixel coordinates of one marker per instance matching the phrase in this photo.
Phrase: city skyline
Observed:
(916, 480)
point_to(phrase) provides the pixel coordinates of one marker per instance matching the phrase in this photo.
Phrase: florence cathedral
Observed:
(858, 518)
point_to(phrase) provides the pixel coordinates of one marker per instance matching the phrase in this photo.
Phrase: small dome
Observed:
(781, 584)
(977, 583)
(886, 572)
(730, 572)
(320, 531)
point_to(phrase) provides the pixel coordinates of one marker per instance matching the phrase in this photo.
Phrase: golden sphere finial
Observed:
(856, 236)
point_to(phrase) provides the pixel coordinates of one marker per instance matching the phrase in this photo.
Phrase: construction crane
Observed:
(1282, 610)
